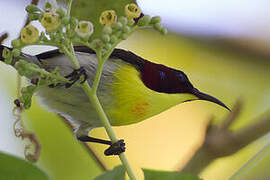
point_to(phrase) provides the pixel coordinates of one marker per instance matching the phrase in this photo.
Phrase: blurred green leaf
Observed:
(91, 10)
(117, 173)
(14, 168)
(166, 175)
(59, 146)
(256, 168)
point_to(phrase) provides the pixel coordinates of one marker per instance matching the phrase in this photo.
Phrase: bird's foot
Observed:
(116, 148)
(76, 76)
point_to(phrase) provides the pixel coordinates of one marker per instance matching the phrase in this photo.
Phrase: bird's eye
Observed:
(161, 74)
(181, 77)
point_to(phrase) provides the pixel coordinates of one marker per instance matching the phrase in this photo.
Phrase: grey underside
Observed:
(72, 103)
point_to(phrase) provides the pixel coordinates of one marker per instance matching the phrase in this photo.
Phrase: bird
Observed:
(131, 89)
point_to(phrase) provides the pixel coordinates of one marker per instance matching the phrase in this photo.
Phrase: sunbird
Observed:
(131, 90)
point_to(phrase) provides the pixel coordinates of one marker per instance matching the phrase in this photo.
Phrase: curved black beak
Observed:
(203, 96)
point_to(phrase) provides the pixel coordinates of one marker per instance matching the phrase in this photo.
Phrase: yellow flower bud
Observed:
(50, 21)
(132, 11)
(29, 34)
(108, 17)
(84, 29)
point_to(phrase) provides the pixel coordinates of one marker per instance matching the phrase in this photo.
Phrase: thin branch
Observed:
(227, 122)
(253, 131)
(220, 141)
(3, 37)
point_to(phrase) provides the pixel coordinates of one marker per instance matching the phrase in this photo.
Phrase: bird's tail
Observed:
(23, 56)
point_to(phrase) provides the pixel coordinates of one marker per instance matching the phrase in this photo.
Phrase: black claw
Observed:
(51, 86)
(116, 148)
(17, 102)
(75, 76)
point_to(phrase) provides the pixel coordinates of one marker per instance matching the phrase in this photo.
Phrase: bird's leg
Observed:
(82, 134)
(75, 76)
(114, 149)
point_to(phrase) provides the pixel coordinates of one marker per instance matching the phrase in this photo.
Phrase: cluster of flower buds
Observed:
(27, 69)
(26, 96)
(116, 29)
(39, 77)
(59, 27)
(49, 16)
(61, 30)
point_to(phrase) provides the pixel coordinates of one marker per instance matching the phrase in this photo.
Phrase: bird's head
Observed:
(163, 79)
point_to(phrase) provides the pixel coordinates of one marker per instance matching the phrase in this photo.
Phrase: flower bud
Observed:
(108, 17)
(73, 22)
(50, 5)
(123, 20)
(65, 20)
(32, 8)
(20, 66)
(29, 34)
(6, 53)
(130, 22)
(105, 38)
(155, 19)
(117, 25)
(132, 11)
(164, 31)
(50, 21)
(113, 39)
(126, 29)
(33, 16)
(97, 43)
(145, 20)
(107, 30)
(61, 12)
(124, 36)
(16, 43)
(84, 29)
(47, 6)
(158, 26)
(16, 52)
(108, 46)
(117, 33)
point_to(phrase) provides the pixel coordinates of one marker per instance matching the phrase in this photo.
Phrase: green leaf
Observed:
(90, 10)
(166, 175)
(14, 168)
(117, 173)
(257, 167)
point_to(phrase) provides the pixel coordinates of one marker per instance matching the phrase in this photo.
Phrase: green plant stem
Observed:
(98, 73)
(243, 172)
(58, 78)
(69, 7)
(101, 61)
(91, 93)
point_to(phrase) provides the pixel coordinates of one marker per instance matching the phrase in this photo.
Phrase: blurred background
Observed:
(223, 46)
